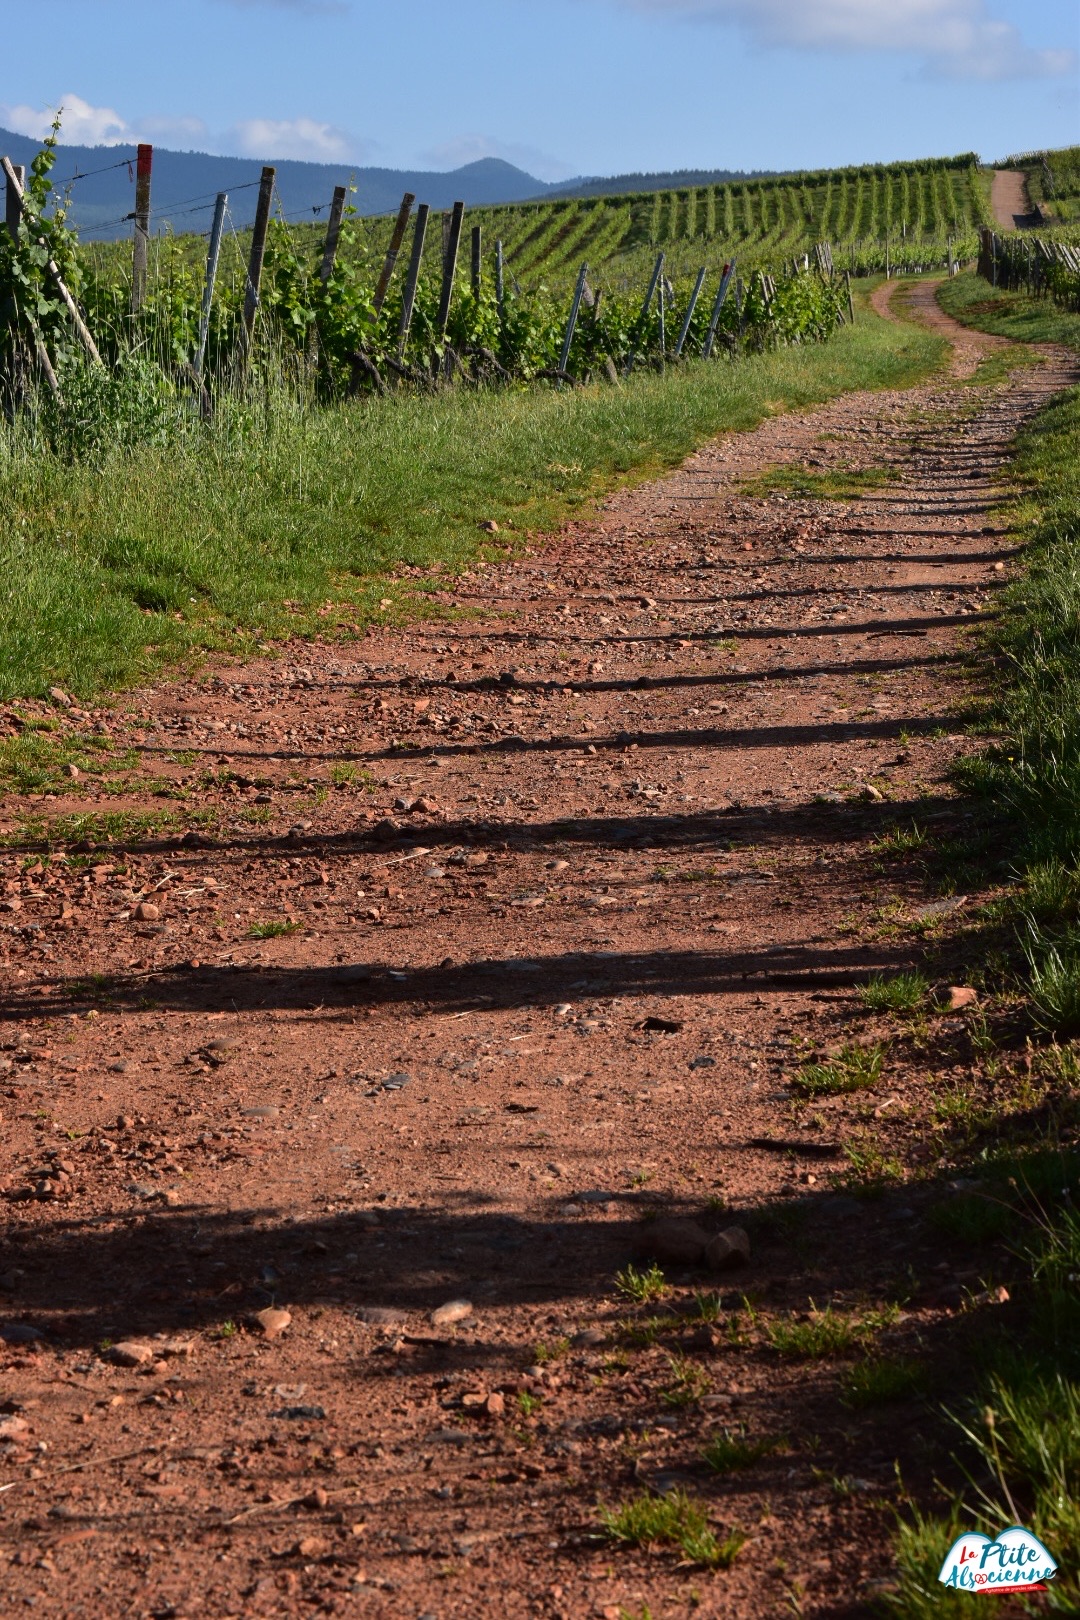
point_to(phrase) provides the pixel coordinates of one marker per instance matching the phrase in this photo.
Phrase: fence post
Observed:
(212, 257)
(653, 280)
(144, 165)
(401, 225)
(450, 267)
(714, 322)
(500, 282)
(660, 308)
(850, 303)
(477, 260)
(575, 309)
(333, 234)
(258, 254)
(413, 277)
(690, 308)
(12, 210)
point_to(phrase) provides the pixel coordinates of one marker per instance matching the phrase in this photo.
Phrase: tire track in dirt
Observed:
(568, 885)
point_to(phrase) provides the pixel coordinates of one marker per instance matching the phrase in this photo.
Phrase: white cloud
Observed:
(954, 38)
(289, 138)
(83, 125)
(470, 148)
(86, 125)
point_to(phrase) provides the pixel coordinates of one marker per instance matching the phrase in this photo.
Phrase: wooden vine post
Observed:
(714, 320)
(450, 268)
(212, 256)
(477, 267)
(684, 330)
(255, 260)
(643, 317)
(413, 277)
(13, 209)
(575, 310)
(401, 225)
(143, 168)
(850, 303)
(333, 234)
(500, 282)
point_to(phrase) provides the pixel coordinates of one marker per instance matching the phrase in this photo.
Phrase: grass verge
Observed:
(970, 299)
(1018, 1418)
(275, 520)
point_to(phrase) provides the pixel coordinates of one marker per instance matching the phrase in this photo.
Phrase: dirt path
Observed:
(1010, 200)
(571, 883)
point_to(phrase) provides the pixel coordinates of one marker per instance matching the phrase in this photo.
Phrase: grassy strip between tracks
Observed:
(278, 520)
(1020, 1412)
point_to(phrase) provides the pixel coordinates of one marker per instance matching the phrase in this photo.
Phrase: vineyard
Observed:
(328, 311)
(910, 210)
(567, 289)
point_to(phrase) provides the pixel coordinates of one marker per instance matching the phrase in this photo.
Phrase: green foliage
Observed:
(689, 1383)
(855, 1068)
(274, 929)
(825, 1333)
(880, 1380)
(641, 1286)
(731, 1449)
(272, 507)
(903, 992)
(674, 1520)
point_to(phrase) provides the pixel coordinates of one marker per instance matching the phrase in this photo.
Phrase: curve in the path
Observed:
(920, 304)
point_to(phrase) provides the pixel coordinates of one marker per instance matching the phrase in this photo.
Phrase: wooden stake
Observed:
(258, 254)
(401, 225)
(714, 321)
(143, 167)
(500, 282)
(450, 268)
(850, 304)
(13, 211)
(690, 308)
(413, 277)
(477, 260)
(212, 257)
(575, 309)
(333, 234)
(14, 184)
(653, 280)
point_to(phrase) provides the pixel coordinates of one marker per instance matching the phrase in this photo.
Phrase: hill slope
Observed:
(185, 183)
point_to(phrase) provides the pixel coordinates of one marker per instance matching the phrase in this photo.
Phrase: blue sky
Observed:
(562, 87)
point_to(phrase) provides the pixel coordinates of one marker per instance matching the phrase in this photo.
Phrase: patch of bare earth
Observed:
(573, 884)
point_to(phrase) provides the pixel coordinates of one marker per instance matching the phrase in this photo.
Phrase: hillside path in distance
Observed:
(334, 1113)
(1010, 200)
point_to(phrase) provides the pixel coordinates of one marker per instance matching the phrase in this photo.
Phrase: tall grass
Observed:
(118, 556)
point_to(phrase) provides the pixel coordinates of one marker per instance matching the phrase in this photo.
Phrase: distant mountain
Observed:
(185, 184)
(619, 185)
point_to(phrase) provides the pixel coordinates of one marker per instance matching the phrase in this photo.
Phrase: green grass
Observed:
(1017, 1428)
(231, 536)
(276, 928)
(881, 1380)
(643, 1287)
(904, 992)
(970, 299)
(673, 1520)
(843, 484)
(689, 1382)
(855, 1068)
(825, 1333)
(729, 1450)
